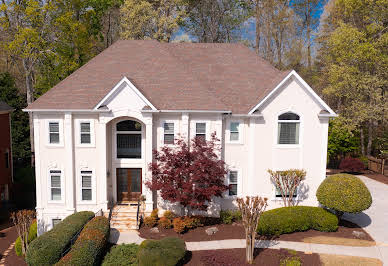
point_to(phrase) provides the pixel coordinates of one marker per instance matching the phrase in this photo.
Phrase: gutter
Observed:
(67, 110)
(187, 111)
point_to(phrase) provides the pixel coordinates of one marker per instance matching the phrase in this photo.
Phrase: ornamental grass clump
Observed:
(344, 193)
(23, 220)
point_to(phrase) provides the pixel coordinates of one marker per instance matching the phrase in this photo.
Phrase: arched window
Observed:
(288, 128)
(128, 139)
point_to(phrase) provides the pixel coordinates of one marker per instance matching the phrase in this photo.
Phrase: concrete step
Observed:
(122, 219)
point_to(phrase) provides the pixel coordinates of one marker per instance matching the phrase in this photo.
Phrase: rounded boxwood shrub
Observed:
(296, 219)
(344, 193)
(121, 255)
(47, 249)
(90, 244)
(32, 234)
(165, 252)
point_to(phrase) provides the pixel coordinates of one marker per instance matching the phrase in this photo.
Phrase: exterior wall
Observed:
(5, 148)
(255, 152)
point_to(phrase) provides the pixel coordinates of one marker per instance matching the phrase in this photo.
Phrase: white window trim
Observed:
(60, 123)
(276, 130)
(79, 186)
(239, 183)
(49, 186)
(240, 132)
(175, 122)
(92, 133)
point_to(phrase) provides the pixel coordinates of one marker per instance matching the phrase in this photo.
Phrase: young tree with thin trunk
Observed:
(251, 209)
(191, 175)
(22, 221)
(287, 182)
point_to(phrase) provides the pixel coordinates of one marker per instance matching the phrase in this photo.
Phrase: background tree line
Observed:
(339, 47)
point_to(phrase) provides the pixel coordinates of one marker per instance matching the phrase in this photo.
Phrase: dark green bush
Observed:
(47, 249)
(230, 216)
(344, 193)
(295, 219)
(122, 255)
(165, 252)
(32, 234)
(90, 244)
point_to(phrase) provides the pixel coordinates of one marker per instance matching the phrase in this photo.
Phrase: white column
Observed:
(148, 159)
(251, 159)
(185, 127)
(101, 177)
(69, 171)
(38, 177)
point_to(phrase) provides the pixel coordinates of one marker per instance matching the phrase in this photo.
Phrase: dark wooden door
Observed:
(128, 184)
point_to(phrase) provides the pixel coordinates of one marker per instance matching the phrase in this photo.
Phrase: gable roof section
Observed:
(171, 76)
(329, 111)
(5, 107)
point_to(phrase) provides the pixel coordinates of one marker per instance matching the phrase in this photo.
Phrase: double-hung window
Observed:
(200, 130)
(288, 129)
(168, 133)
(234, 131)
(128, 139)
(55, 185)
(86, 137)
(233, 183)
(54, 137)
(55, 222)
(86, 185)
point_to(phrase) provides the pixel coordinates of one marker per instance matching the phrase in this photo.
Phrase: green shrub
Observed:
(90, 244)
(230, 216)
(32, 234)
(295, 219)
(191, 222)
(165, 252)
(47, 249)
(169, 215)
(344, 193)
(122, 255)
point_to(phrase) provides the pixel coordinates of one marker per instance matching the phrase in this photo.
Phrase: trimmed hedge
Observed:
(47, 249)
(122, 255)
(230, 216)
(90, 244)
(165, 252)
(295, 219)
(32, 234)
(344, 193)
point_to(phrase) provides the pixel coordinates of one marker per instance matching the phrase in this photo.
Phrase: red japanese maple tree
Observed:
(189, 174)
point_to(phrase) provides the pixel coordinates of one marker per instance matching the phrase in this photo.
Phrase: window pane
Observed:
(85, 127)
(234, 126)
(128, 145)
(56, 221)
(54, 137)
(232, 190)
(86, 181)
(168, 128)
(85, 138)
(288, 133)
(86, 194)
(278, 192)
(168, 138)
(200, 128)
(289, 116)
(55, 194)
(232, 177)
(55, 181)
(233, 136)
(54, 127)
(201, 136)
(128, 125)
(135, 180)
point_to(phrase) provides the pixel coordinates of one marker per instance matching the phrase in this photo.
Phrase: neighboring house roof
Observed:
(171, 76)
(5, 107)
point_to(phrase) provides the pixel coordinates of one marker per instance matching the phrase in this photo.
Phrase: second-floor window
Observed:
(85, 133)
(288, 128)
(128, 139)
(234, 131)
(54, 133)
(168, 133)
(200, 130)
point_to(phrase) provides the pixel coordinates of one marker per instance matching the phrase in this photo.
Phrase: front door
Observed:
(128, 184)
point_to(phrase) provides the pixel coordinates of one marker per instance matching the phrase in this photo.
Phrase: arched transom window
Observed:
(128, 139)
(288, 128)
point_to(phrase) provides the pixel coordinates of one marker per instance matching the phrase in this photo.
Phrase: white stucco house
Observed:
(95, 131)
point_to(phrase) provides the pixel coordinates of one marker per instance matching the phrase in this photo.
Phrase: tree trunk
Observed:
(370, 138)
(258, 26)
(362, 140)
(250, 247)
(308, 47)
(30, 99)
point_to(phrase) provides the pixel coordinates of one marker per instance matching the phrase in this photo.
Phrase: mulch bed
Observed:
(236, 231)
(229, 257)
(7, 237)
